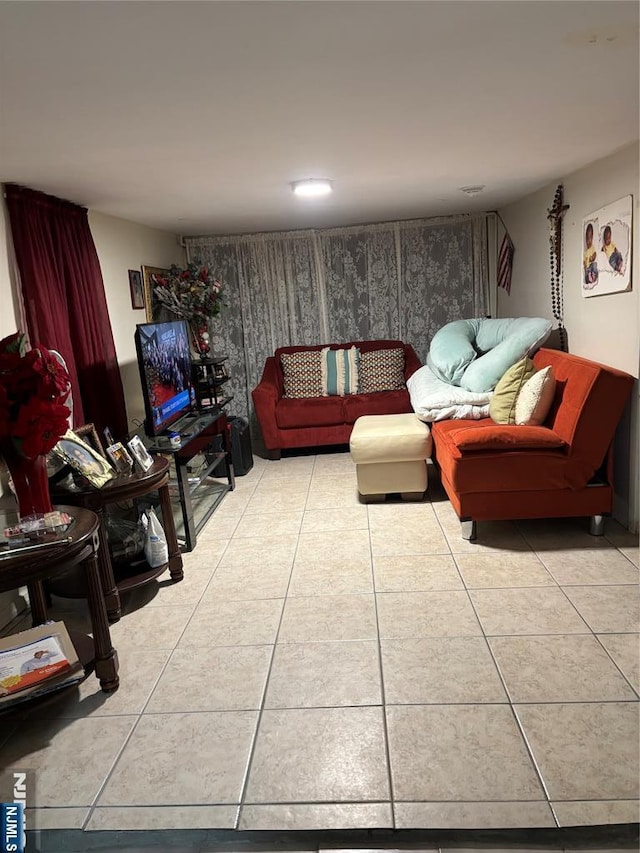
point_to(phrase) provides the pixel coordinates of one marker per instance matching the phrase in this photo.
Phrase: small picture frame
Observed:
(140, 453)
(83, 459)
(136, 288)
(120, 458)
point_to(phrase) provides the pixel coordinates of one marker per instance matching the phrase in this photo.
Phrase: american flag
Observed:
(505, 263)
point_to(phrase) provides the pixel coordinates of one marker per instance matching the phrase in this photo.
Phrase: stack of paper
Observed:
(36, 662)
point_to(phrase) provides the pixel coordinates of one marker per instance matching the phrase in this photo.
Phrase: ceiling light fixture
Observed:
(472, 190)
(312, 187)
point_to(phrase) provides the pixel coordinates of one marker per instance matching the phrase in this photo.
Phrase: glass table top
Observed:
(19, 536)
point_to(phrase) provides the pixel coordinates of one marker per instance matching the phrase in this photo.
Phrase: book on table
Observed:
(37, 661)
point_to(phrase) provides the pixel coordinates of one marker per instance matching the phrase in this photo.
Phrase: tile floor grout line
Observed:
(385, 725)
(263, 698)
(519, 726)
(580, 616)
(613, 661)
(547, 793)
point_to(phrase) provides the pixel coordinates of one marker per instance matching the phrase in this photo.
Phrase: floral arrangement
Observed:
(33, 389)
(193, 293)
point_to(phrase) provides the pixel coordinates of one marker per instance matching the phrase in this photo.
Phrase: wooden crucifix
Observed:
(555, 215)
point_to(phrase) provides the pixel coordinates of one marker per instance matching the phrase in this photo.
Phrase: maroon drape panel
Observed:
(65, 302)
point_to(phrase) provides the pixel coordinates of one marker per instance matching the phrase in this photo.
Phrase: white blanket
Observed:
(435, 400)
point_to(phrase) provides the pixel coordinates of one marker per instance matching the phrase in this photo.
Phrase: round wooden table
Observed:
(125, 487)
(46, 563)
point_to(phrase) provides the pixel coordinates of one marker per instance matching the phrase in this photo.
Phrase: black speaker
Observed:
(241, 454)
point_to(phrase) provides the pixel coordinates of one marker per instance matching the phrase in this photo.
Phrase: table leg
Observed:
(175, 557)
(38, 602)
(106, 657)
(228, 461)
(105, 569)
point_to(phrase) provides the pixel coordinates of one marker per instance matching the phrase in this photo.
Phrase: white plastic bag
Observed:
(156, 551)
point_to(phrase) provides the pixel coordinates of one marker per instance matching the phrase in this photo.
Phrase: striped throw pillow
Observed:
(382, 370)
(302, 373)
(340, 371)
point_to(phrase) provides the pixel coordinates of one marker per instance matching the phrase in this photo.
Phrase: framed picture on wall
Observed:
(606, 249)
(153, 308)
(137, 291)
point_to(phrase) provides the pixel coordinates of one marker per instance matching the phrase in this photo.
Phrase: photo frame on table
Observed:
(120, 458)
(154, 309)
(83, 459)
(136, 288)
(140, 453)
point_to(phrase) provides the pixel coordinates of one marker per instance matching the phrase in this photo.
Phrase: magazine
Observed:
(37, 661)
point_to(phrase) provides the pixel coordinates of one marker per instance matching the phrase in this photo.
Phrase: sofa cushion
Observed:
(502, 406)
(382, 370)
(534, 400)
(302, 373)
(389, 403)
(309, 412)
(489, 470)
(340, 368)
(499, 437)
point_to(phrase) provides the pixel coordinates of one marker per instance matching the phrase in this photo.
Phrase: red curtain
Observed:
(65, 302)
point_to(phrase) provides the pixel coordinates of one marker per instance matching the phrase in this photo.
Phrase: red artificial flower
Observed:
(55, 379)
(33, 386)
(39, 425)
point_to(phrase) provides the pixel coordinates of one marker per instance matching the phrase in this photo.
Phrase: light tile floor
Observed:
(327, 665)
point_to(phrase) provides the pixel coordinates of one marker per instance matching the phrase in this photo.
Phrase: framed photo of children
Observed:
(606, 249)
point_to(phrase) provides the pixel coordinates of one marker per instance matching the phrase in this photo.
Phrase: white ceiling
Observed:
(195, 116)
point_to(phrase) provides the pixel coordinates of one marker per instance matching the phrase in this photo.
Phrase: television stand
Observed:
(197, 495)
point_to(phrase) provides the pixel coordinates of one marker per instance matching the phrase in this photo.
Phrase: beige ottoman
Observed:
(390, 452)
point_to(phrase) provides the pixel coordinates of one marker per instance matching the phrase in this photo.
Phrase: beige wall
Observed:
(604, 328)
(124, 246)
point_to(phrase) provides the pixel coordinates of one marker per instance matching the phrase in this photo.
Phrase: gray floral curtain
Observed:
(392, 280)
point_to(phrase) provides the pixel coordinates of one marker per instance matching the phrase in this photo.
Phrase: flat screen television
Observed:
(164, 359)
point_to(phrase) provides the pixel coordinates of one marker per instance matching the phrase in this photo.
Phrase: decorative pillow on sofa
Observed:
(535, 398)
(382, 370)
(302, 373)
(340, 371)
(502, 406)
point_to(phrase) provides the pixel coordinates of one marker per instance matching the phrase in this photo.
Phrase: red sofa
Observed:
(315, 421)
(563, 468)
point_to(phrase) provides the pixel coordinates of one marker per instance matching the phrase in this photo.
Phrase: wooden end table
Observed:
(46, 563)
(124, 487)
